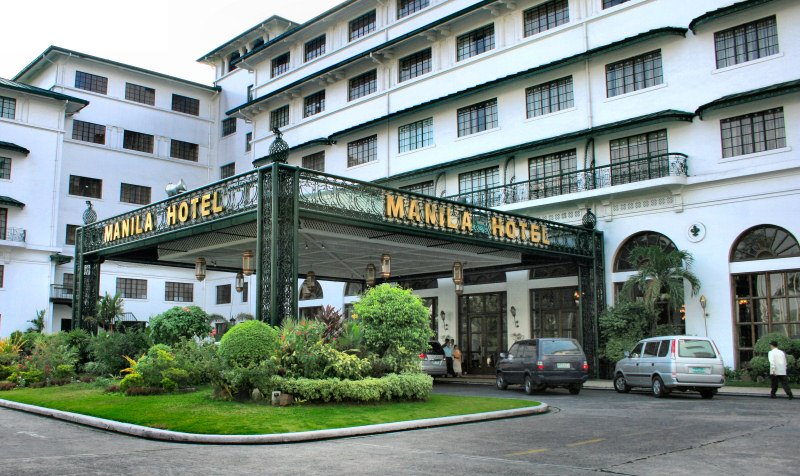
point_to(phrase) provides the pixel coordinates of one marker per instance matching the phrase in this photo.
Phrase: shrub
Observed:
(621, 327)
(239, 382)
(131, 380)
(7, 386)
(406, 386)
(187, 322)
(198, 359)
(248, 343)
(51, 352)
(80, 340)
(108, 350)
(758, 368)
(786, 344)
(158, 359)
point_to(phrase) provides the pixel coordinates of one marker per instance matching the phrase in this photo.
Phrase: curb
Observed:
(275, 438)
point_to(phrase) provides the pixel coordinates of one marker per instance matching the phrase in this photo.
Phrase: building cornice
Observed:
(714, 15)
(736, 99)
(73, 104)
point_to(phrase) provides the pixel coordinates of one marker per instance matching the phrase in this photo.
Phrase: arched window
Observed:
(644, 238)
(765, 242)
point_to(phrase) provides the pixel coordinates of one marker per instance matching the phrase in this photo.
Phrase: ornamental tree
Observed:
(187, 322)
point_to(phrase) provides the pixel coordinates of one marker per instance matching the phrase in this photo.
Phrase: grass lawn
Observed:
(197, 412)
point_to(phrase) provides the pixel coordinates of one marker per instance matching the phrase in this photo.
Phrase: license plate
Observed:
(563, 365)
(700, 370)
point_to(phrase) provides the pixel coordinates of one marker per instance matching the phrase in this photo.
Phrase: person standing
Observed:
(777, 370)
(457, 361)
(448, 356)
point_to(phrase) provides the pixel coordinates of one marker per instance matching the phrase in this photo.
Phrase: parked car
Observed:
(433, 362)
(538, 364)
(671, 363)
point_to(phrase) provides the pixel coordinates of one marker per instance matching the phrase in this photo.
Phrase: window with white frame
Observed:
(130, 288)
(635, 73)
(178, 292)
(746, 42)
(362, 151)
(8, 107)
(415, 135)
(754, 132)
(549, 97)
(477, 117)
(314, 104)
(475, 42)
(363, 85)
(545, 16)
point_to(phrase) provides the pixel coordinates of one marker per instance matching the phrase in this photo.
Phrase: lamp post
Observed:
(703, 304)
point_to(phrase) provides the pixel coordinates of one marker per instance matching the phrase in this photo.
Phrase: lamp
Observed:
(703, 304)
(386, 266)
(513, 312)
(458, 277)
(239, 282)
(443, 318)
(577, 297)
(200, 268)
(370, 275)
(247, 263)
(233, 321)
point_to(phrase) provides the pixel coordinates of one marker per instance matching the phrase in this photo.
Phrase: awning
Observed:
(11, 202)
(14, 147)
(749, 96)
(713, 15)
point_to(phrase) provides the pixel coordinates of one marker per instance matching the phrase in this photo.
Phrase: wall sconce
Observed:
(247, 263)
(577, 297)
(682, 310)
(744, 302)
(386, 266)
(513, 312)
(239, 282)
(443, 318)
(200, 268)
(370, 275)
(458, 277)
(703, 304)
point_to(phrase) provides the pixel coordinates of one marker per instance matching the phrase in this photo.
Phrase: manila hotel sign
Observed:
(170, 214)
(458, 219)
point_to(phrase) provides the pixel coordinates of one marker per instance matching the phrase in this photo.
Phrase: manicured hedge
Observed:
(406, 386)
(248, 343)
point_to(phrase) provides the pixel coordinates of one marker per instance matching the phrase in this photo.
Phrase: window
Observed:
(546, 174)
(314, 104)
(477, 117)
(752, 133)
(633, 74)
(179, 292)
(363, 84)
(3, 223)
(224, 294)
(71, 234)
(765, 242)
(639, 157)
(280, 64)
(407, 7)
(8, 107)
(185, 104)
(415, 135)
(228, 126)
(473, 186)
(130, 288)
(475, 42)
(362, 151)
(545, 16)
(141, 94)
(249, 92)
(68, 280)
(138, 194)
(611, 3)
(227, 170)
(85, 186)
(415, 65)
(88, 132)
(315, 48)
(279, 117)
(663, 350)
(5, 168)
(549, 97)
(362, 25)
(746, 42)
(91, 82)
(423, 188)
(258, 42)
(232, 58)
(179, 149)
(248, 142)
(623, 261)
(315, 161)
(138, 141)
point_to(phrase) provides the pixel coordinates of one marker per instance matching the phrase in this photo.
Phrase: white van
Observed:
(671, 363)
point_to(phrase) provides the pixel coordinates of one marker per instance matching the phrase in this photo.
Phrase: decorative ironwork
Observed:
(279, 149)
(592, 300)
(87, 283)
(13, 234)
(589, 220)
(264, 273)
(631, 171)
(89, 215)
(61, 292)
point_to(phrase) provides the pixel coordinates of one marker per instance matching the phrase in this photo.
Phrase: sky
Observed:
(166, 36)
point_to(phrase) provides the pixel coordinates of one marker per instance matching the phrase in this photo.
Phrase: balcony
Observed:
(60, 294)
(13, 234)
(620, 173)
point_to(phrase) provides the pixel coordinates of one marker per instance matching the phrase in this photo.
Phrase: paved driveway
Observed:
(594, 432)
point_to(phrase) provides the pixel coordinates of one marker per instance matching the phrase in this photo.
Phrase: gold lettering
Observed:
(138, 224)
(466, 221)
(126, 228)
(497, 227)
(545, 239)
(183, 212)
(194, 207)
(536, 235)
(413, 211)
(205, 205)
(511, 229)
(395, 207)
(431, 210)
(441, 217)
(523, 228)
(172, 215)
(148, 222)
(108, 233)
(450, 223)
(216, 207)
(116, 230)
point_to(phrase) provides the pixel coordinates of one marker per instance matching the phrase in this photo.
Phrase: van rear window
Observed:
(560, 347)
(698, 349)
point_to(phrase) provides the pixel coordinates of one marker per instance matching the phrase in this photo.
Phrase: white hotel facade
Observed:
(671, 126)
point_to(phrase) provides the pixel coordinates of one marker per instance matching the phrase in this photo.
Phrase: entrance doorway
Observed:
(482, 332)
(554, 313)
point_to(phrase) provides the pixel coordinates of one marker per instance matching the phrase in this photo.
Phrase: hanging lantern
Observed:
(200, 268)
(458, 277)
(239, 282)
(386, 266)
(370, 275)
(459, 289)
(247, 263)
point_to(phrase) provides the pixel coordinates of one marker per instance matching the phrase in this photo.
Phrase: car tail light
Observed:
(422, 356)
(585, 366)
(540, 365)
(672, 349)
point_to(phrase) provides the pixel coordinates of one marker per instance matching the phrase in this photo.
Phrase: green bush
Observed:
(51, 351)
(406, 386)
(80, 340)
(758, 368)
(621, 327)
(248, 343)
(238, 382)
(786, 344)
(179, 322)
(131, 380)
(197, 359)
(158, 359)
(108, 350)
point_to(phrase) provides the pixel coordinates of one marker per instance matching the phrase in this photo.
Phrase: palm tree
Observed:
(109, 308)
(660, 277)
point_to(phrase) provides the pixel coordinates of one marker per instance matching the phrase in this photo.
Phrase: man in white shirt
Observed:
(777, 370)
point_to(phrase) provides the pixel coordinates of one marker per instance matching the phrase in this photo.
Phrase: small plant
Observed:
(37, 323)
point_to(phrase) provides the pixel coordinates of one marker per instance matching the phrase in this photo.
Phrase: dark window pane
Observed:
(363, 85)
(314, 104)
(633, 74)
(279, 117)
(91, 82)
(362, 151)
(228, 126)
(752, 133)
(88, 132)
(315, 161)
(475, 42)
(138, 141)
(141, 94)
(224, 294)
(5, 168)
(549, 97)
(423, 188)
(611, 3)
(315, 48)
(746, 42)
(85, 186)
(362, 25)
(415, 135)
(415, 65)
(185, 104)
(280, 65)
(179, 292)
(8, 107)
(407, 7)
(472, 186)
(545, 16)
(765, 242)
(70, 236)
(132, 288)
(179, 149)
(477, 117)
(137, 194)
(227, 170)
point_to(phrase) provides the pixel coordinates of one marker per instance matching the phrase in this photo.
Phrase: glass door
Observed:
(482, 332)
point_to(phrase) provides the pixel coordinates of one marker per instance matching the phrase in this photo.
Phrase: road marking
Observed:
(587, 442)
(529, 452)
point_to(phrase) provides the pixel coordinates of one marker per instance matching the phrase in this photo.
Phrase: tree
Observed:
(37, 323)
(109, 308)
(660, 276)
(173, 324)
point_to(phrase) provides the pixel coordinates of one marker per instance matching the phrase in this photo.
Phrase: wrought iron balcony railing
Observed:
(59, 291)
(13, 234)
(631, 171)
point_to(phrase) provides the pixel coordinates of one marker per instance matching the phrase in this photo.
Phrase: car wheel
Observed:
(501, 382)
(707, 393)
(574, 389)
(621, 385)
(529, 387)
(658, 387)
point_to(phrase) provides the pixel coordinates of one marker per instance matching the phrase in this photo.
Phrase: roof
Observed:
(73, 104)
(64, 51)
(11, 202)
(767, 92)
(725, 11)
(247, 32)
(13, 147)
(640, 121)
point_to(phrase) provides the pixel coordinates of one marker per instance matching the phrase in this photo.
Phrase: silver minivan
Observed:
(669, 363)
